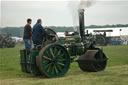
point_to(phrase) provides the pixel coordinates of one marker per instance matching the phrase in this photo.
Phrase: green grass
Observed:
(116, 72)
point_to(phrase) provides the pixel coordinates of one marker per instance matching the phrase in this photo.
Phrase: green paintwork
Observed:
(78, 51)
(22, 60)
(28, 62)
(33, 67)
(55, 61)
(69, 42)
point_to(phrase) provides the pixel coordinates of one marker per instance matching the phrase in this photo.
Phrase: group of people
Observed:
(35, 34)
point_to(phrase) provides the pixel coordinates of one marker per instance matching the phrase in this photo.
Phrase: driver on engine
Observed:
(38, 34)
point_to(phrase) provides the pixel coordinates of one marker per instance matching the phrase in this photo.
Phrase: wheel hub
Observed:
(54, 61)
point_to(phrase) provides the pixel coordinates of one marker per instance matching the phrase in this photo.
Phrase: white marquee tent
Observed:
(116, 31)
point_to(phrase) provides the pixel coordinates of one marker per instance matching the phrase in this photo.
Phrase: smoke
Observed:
(86, 4)
(74, 6)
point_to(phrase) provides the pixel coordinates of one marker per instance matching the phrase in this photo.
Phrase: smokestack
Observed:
(81, 23)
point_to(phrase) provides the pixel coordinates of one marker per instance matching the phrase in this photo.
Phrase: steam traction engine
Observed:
(6, 41)
(53, 58)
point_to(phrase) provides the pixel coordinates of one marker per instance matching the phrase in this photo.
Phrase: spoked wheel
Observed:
(53, 60)
(93, 61)
(100, 40)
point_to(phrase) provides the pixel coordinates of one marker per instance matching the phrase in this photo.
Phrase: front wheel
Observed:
(93, 61)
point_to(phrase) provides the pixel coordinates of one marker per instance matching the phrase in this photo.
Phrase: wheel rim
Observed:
(54, 61)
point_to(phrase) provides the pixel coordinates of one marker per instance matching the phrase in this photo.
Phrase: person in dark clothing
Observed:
(38, 33)
(28, 35)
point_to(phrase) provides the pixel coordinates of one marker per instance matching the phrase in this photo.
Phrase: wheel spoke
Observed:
(52, 69)
(49, 64)
(52, 53)
(45, 62)
(55, 69)
(60, 63)
(55, 51)
(47, 54)
(59, 67)
(58, 53)
(61, 60)
(47, 58)
(48, 70)
(61, 55)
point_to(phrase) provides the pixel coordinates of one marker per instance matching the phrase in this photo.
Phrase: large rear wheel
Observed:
(53, 60)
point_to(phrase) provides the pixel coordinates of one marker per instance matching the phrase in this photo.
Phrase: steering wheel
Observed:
(52, 35)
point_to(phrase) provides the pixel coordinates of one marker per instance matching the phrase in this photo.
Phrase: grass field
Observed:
(116, 72)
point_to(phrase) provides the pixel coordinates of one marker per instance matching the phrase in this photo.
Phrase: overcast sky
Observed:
(59, 13)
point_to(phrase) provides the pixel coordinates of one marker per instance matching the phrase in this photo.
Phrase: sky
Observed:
(13, 13)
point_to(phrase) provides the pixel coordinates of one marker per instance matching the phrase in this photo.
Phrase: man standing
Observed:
(28, 35)
(38, 33)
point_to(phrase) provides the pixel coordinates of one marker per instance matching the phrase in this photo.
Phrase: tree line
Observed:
(18, 31)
